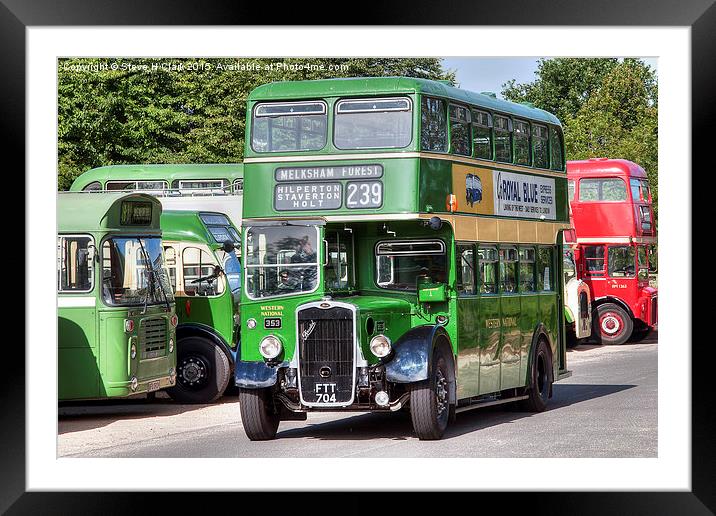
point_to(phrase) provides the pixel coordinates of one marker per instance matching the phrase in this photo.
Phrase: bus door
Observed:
(468, 305)
(488, 320)
(511, 337)
(202, 290)
(78, 352)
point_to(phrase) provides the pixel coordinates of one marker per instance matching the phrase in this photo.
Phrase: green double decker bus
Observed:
(402, 250)
(205, 276)
(116, 318)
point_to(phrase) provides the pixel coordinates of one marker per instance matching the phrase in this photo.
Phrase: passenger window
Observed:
(555, 144)
(594, 258)
(503, 139)
(482, 134)
(465, 269)
(459, 130)
(539, 146)
(433, 125)
(508, 270)
(488, 270)
(522, 143)
(621, 261)
(527, 269)
(74, 263)
(545, 272)
(200, 278)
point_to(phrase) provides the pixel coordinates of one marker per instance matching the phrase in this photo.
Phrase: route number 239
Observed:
(364, 195)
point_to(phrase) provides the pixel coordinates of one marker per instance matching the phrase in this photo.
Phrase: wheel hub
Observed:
(441, 392)
(192, 371)
(611, 324)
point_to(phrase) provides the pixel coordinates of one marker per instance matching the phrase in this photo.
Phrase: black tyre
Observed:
(611, 324)
(203, 371)
(429, 402)
(541, 378)
(258, 414)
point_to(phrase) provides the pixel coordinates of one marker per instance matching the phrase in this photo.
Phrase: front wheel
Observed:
(541, 379)
(429, 402)
(203, 371)
(258, 414)
(612, 324)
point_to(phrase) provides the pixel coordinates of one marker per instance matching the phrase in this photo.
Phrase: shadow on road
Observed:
(88, 415)
(398, 426)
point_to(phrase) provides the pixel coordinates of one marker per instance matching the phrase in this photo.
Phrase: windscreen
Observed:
(281, 260)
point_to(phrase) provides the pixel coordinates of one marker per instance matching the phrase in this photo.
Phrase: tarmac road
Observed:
(607, 408)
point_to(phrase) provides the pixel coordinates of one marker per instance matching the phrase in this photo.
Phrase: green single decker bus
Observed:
(116, 318)
(205, 276)
(402, 250)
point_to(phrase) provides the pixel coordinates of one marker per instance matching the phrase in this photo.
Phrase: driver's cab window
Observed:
(170, 263)
(338, 272)
(621, 260)
(200, 277)
(569, 267)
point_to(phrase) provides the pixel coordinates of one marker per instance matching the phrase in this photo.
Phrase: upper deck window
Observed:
(522, 143)
(204, 185)
(503, 139)
(640, 190)
(460, 130)
(608, 189)
(555, 145)
(373, 123)
(482, 134)
(433, 135)
(289, 126)
(142, 186)
(540, 146)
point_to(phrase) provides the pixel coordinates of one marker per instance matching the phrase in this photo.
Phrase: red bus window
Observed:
(594, 258)
(622, 260)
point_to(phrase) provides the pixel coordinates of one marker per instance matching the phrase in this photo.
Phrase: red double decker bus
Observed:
(615, 246)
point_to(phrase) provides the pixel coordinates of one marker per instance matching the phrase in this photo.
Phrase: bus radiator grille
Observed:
(153, 337)
(326, 350)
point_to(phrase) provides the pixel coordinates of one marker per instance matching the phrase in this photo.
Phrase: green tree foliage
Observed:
(609, 108)
(181, 110)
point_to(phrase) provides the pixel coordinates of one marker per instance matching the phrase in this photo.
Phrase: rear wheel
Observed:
(540, 379)
(258, 414)
(429, 402)
(203, 371)
(612, 324)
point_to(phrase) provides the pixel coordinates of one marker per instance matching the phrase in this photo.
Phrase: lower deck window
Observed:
(74, 264)
(400, 264)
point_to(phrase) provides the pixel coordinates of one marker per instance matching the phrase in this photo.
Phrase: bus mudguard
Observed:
(256, 375)
(206, 332)
(413, 354)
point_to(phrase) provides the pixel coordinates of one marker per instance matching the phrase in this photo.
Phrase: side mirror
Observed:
(228, 246)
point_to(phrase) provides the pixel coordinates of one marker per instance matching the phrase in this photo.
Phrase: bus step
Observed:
(479, 404)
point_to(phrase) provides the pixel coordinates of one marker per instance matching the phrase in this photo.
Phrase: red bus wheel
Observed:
(612, 325)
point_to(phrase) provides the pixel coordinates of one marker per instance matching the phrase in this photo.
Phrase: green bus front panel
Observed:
(216, 312)
(78, 364)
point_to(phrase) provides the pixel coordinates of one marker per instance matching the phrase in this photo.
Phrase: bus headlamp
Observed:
(134, 383)
(171, 345)
(133, 351)
(270, 347)
(251, 324)
(380, 346)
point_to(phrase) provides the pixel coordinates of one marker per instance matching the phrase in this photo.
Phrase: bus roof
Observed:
(89, 211)
(168, 172)
(187, 226)
(604, 166)
(348, 87)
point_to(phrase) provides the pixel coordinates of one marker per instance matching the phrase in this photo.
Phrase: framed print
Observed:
(666, 472)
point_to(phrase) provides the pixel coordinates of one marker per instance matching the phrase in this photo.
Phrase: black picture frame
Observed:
(17, 15)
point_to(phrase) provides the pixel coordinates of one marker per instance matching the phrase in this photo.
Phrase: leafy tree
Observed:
(608, 108)
(181, 110)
